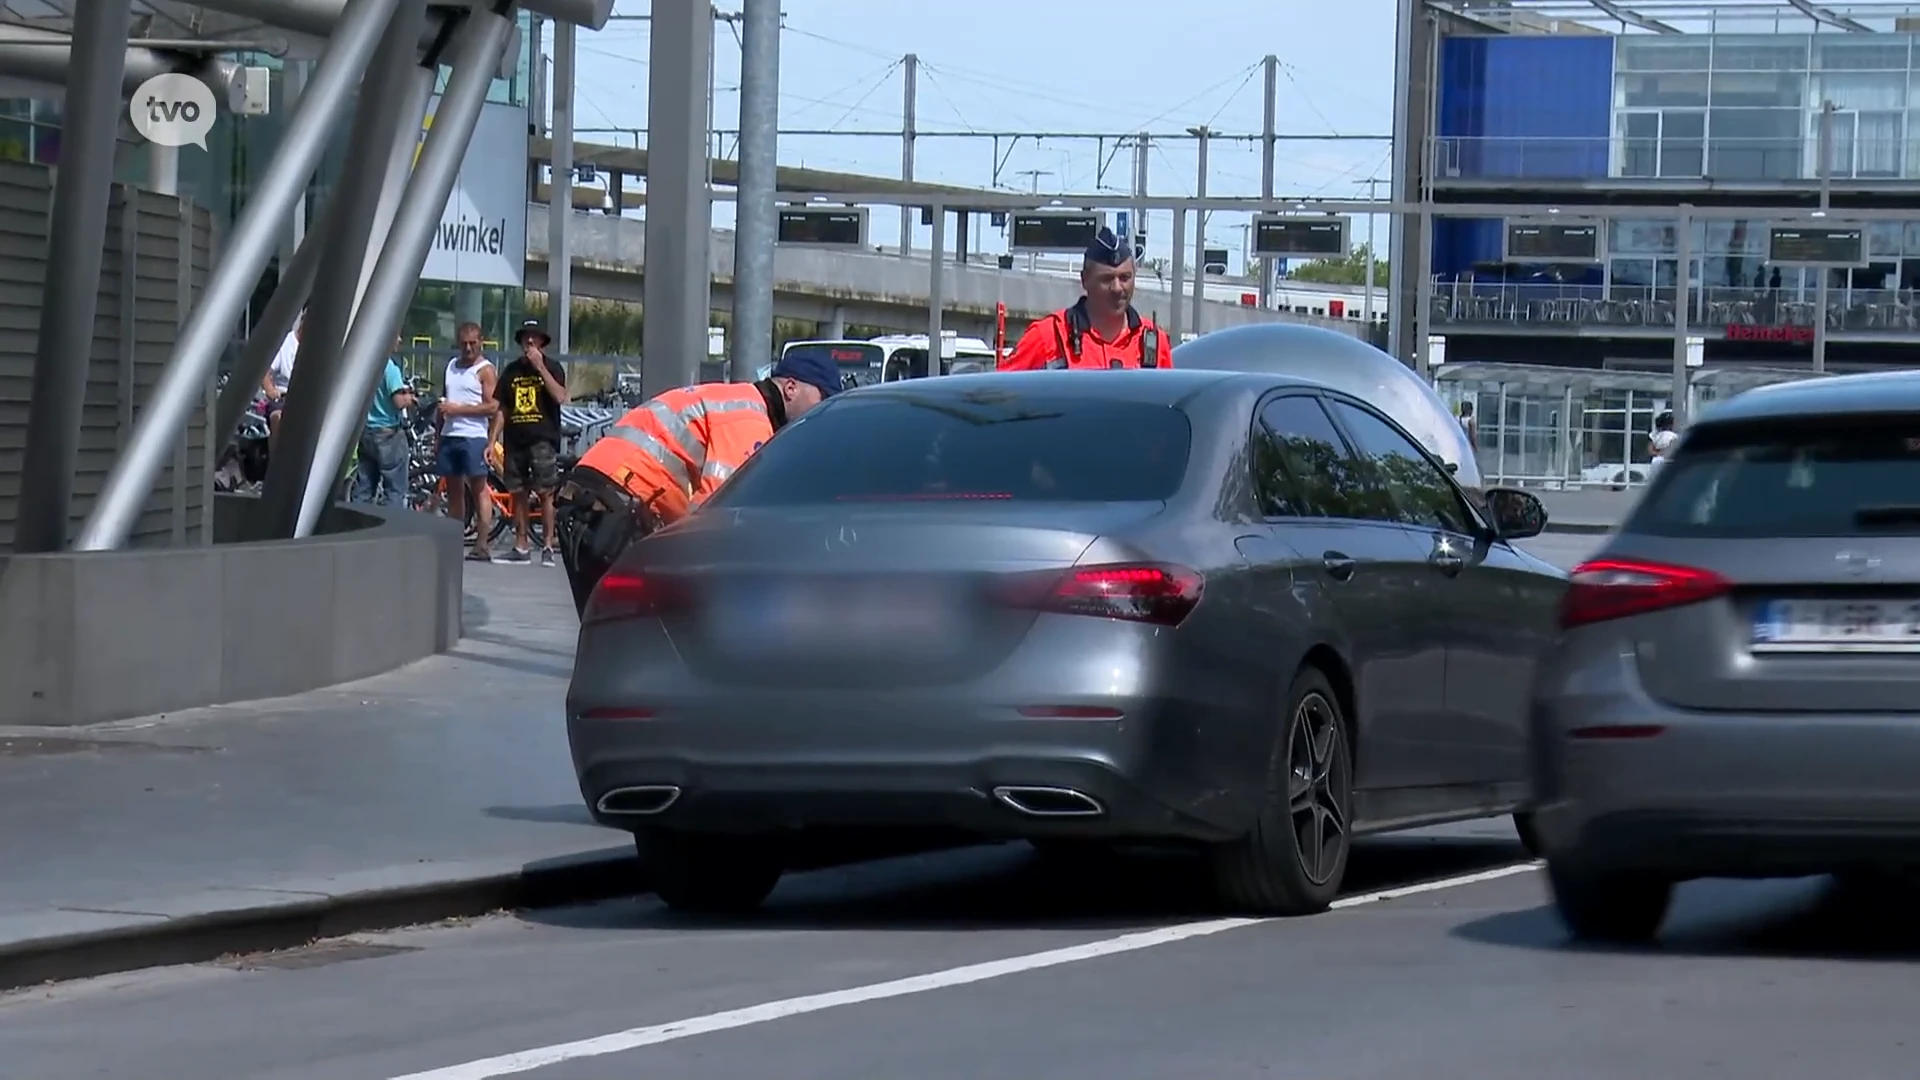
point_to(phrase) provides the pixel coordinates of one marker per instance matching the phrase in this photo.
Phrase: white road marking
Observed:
(634, 1038)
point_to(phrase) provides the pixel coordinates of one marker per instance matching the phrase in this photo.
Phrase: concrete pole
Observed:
(1420, 322)
(536, 76)
(1681, 280)
(757, 220)
(76, 240)
(377, 122)
(1205, 135)
(255, 235)
(1373, 192)
(476, 60)
(1401, 332)
(1141, 145)
(1269, 144)
(1173, 286)
(909, 126)
(1825, 150)
(677, 287)
(560, 192)
(936, 288)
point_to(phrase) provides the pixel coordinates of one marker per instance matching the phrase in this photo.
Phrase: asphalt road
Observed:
(992, 961)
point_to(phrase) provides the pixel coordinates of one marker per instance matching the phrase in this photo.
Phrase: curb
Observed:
(1580, 528)
(197, 938)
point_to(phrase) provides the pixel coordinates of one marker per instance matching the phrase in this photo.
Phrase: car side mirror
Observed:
(1516, 514)
(1453, 467)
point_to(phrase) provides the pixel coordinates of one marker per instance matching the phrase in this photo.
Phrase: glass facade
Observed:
(1678, 107)
(1547, 428)
(1720, 108)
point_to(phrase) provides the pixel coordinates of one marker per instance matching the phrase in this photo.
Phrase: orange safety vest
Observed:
(1066, 339)
(672, 452)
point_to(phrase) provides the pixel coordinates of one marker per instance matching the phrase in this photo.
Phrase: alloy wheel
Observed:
(1317, 788)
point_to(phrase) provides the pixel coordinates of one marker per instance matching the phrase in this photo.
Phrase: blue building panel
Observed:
(1536, 108)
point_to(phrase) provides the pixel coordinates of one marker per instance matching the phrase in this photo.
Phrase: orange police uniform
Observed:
(1067, 339)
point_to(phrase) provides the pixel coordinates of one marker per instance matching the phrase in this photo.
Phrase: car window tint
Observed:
(908, 445)
(1421, 493)
(1302, 467)
(1793, 478)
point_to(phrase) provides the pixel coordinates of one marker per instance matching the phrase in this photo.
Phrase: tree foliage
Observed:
(1348, 270)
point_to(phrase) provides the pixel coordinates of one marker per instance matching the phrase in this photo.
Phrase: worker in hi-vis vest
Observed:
(661, 460)
(1102, 330)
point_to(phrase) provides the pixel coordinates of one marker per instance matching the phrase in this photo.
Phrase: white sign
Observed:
(1696, 351)
(482, 235)
(1436, 350)
(172, 110)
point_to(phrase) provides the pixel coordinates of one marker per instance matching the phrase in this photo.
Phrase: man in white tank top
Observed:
(466, 409)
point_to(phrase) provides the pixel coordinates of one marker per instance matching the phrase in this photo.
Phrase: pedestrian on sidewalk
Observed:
(467, 406)
(381, 474)
(527, 429)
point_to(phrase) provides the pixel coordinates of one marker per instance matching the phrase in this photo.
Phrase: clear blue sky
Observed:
(1010, 65)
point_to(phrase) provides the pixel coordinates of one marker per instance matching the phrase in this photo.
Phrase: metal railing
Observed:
(1504, 157)
(1739, 312)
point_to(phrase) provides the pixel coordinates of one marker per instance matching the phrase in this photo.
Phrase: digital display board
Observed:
(1312, 237)
(1552, 242)
(1214, 260)
(1053, 231)
(824, 226)
(1816, 245)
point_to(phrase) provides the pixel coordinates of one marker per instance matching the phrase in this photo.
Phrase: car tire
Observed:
(1529, 833)
(1294, 858)
(711, 874)
(1609, 907)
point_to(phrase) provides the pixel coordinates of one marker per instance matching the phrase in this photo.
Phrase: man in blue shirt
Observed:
(383, 442)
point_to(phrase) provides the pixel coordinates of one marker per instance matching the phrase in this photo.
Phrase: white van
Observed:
(897, 356)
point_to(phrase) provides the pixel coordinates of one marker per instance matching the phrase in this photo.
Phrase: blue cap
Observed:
(812, 368)
(1108, 249)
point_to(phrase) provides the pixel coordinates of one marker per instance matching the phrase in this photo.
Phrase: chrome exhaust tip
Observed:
(1049, 801)
(639, 801)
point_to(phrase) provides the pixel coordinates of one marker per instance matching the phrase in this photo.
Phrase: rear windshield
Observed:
(1796, 479)
(898, 445)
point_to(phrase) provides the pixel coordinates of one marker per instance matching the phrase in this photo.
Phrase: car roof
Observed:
(1166, 386)
(1871, 392)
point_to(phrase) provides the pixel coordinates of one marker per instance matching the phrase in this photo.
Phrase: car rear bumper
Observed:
(1722, 794)
(740, 769)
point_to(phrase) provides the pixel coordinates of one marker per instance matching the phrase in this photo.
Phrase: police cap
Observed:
(1108, 249)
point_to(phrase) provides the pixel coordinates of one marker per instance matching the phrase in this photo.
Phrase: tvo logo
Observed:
(173, 110)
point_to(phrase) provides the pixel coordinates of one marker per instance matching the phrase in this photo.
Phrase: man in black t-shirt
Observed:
(530, 391)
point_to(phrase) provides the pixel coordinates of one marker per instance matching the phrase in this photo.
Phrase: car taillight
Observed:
(1137, 592)
(1603, 589)
(625, 595)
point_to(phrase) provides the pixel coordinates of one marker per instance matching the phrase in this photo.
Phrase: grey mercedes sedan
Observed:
(1243, 612)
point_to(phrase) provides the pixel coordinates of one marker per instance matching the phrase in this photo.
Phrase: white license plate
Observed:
(814, 618)
(1837, 626)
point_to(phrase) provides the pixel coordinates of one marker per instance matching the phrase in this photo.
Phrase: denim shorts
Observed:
(463, 456)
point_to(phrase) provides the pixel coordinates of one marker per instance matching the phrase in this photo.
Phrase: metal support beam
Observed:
(756, 220)
(1635, 19)
(909, 120)
(1173, 287)
(249, 246)
(1827, 16)
(378, 121)
(1406, 33)
(1682, 303)
(1200, 239)
(1267, 147)
(76, 240)
(560, 210)
(370, 340)
(936, 291)
(321, 18)
(29, 52)
(678, 284)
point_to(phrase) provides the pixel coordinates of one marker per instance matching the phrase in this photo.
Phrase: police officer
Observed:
(661, 460)
(1102, 330)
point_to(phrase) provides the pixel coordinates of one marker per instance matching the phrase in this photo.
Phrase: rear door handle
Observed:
(1339, 565)
(1444, 558)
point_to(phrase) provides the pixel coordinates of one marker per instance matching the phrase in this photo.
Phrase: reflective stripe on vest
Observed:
(656, 450)
(683, 453)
